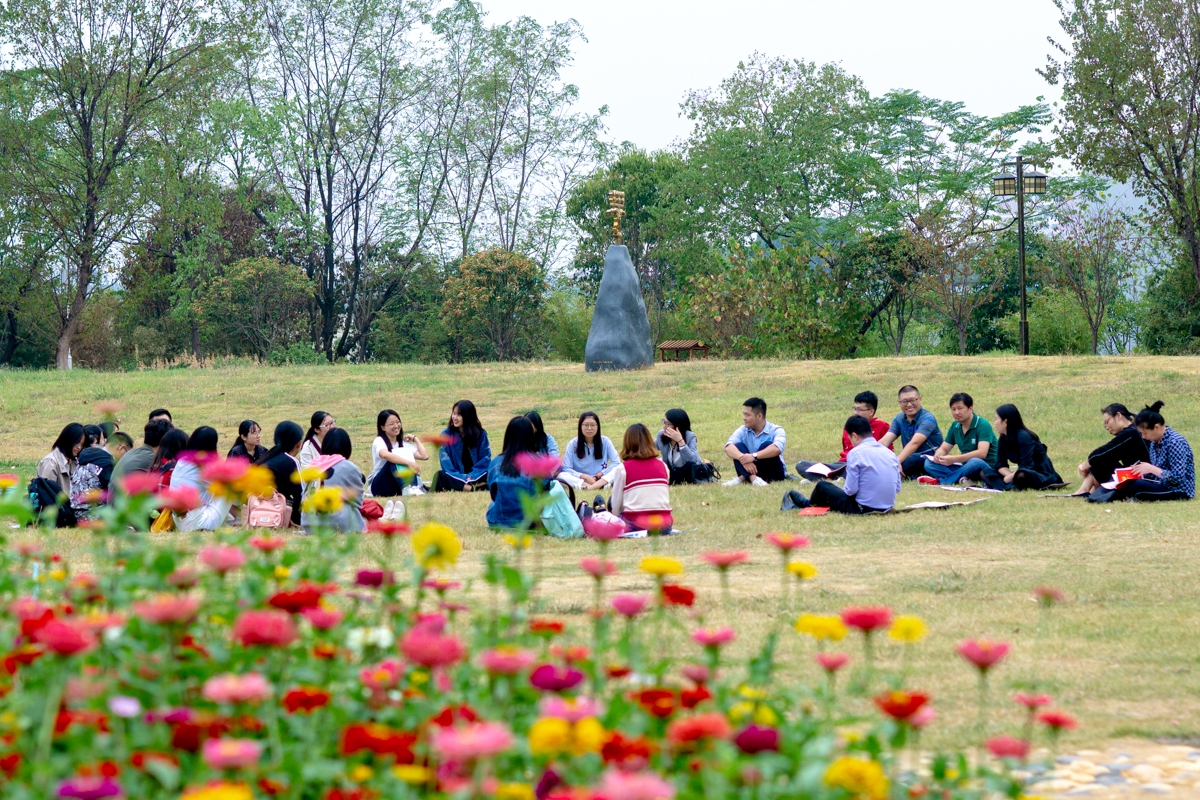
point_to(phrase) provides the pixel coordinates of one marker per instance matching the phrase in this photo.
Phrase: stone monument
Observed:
(620, 333)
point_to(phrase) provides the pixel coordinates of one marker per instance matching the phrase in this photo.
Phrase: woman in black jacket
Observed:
(281, 460)
(1032, 468)
(249, 441)
(1126, 448)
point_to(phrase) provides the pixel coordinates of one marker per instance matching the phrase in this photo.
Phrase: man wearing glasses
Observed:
(917, 429)
(865, 406)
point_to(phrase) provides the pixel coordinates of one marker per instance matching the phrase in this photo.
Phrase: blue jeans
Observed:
(948, 475)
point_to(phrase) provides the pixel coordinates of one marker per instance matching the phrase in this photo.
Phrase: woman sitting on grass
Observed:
(465, 460)
(506, 484)
(590, 458)
(640, 494)
(545, 442)
(55, 469)
(213, 512)
(249, 441)
(1171, 473)
(680, 449)
(394, 469)
(1032, 468)
(340, 473)
(283, 461)
(174, 443)
(1126, 448)
(319, 424)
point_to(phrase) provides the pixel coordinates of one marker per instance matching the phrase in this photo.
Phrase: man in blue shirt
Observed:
(917, 429)
(757, 447)
(872, 477)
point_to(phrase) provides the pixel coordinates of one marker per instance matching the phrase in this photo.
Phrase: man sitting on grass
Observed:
(917, 430)
(872, 477)
(976, 443)
(865, 406)
(757, 447)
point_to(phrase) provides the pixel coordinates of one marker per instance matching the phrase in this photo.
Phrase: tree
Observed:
(260, 302)
(101, 70)
(1091, 255)
(497, 296)
(1131, 101)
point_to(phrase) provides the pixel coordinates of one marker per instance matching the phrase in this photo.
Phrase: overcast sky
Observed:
(642, 56)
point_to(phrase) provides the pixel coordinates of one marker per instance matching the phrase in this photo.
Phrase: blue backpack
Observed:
(558, 517)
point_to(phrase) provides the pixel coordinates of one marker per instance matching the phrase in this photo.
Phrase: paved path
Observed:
(1134, 770)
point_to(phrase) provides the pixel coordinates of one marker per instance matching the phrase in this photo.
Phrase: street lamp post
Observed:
(1025, 182)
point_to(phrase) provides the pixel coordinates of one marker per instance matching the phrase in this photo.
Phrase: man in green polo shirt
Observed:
(976, 442)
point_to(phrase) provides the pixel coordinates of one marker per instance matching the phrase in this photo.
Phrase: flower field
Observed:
(259, 666)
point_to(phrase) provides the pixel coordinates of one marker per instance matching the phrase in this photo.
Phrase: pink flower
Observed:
(183, 578)
(725, 560)
(66, 638)
(472, 742)
(603, 529)
(553, 678)
(983, 653)
(382, 676)
(225, 470)
(374, 578)
(597, 567)
(231, 753)
(537, 465)
(140, 482)
(322, 618)
(787, 542)
(619, 785)
(1057, 720)
(713, 637)
(24, 608)
(832, 662)
(923, 717)
(180, 499)
(222, 557)
(866, 618)
(1048, 595)
(696, 673)
(267, 544)
(168, 609)
(507, 660)
(270, 628)
(1008, 747)
(1033, 701)
(630, 605)
(89, 787)
(431, 649)
(572, 709)
(229, 688)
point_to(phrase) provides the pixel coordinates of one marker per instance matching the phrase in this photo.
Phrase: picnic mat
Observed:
(817, 511)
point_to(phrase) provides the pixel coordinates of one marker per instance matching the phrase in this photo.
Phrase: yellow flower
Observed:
(752, 692)
(661, 565)
(436, 546)
(802, 570)
(821, 626)
(412, 773)
(8, 480)
(324, 501)
(757, 713)
(513, 791)
(58, 574)
(518, 542)
(282, 573)
(308, 475)
(258, 481)
(361, 773)
(220, 791)
(549, 736)
(860, 777)
(589, 736)
(907, 629)
(418, 677)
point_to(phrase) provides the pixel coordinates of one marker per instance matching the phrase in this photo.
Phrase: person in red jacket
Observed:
(865, 405)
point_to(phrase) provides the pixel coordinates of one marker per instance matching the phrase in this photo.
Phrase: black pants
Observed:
(1025, 479)
(689, 474)
(914, 466)
(827, 495)
(444, 483)
(836, 467)
(769, 469)
(1140, 489)
(387, 483)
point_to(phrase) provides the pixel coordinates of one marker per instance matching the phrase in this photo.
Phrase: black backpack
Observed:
(43, 496)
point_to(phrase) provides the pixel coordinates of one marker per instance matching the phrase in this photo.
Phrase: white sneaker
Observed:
(398, 511)
(757, 481)
(412, 491)
(805, 482)
(734, 481)
(387, 510)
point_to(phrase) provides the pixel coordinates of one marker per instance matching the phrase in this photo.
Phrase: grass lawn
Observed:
(1122, 654)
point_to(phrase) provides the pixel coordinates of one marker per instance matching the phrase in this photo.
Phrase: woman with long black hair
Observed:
(340, 473)
(505, 482)
(284, 465)
(394, 468)
(1126, 448)
(1032, 468)
(1171, 471)
(544, 442)
(249, 442)
(465, 459)
(54, 472)
(680, 448)
(213, 512)
(319, 424)
(590, 458)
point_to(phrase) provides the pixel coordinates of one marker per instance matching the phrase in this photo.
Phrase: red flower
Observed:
(325, 650)
(754, 739)
(901, 705)
(1048, 595)
(629, 753)
(571, 654)
(271, 788)
(388, 528)
(305, 595)
(694, 729)
(615, 671)
(690, 698)
(9, 764)
(657, 702)
(440, 439)
(676, 595)
(546, 627)
(267, 544)
(553, 678)
(66, 718)
(450, 716)
(983, 653)
(866, 618)
(140, 758)
(190, 732)
(1008, 747)
(378, 739)
(358, 793)
(65, 638)
(305, 698)
(23, 655)
(268, 628)
(1033, 701)
(1057, 720)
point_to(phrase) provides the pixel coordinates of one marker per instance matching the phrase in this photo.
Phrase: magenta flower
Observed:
(229, 688)
(89, 788)
(713, 637)
(755, 739)
(374, 578)
(925, 715)
(231, 753)
(538, 466)
(553, 678)
(321, 618)
(507, 660)
(630, 605)
(430, 649)
(620, 785)
(597, 567)
(603, 530)
(983, 653)
(866, 618)
(222, 558)
(472, 742)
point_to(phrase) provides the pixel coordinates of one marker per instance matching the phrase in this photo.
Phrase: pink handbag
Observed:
(271, 512)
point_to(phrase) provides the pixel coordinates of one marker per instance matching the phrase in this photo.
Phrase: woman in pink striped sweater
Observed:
(640, 489)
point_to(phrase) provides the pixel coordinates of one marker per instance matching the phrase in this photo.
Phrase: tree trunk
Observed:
(195, 340)
(10, 339)
(962, 341)
(1096, 340)
(64, 341)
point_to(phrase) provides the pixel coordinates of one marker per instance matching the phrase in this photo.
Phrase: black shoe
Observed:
(584, 511)
(793, 500)
(598, 504)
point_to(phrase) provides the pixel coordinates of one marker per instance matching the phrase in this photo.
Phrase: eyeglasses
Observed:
(912, 401)
(329, 423)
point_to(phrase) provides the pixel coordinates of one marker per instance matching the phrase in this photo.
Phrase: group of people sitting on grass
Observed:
(1145, 460)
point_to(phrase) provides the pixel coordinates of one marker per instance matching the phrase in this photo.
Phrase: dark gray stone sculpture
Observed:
(620, 334)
